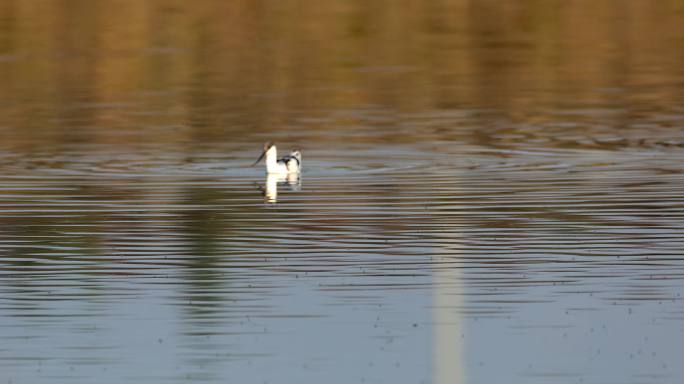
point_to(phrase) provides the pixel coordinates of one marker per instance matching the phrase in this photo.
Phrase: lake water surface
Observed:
(492, 192)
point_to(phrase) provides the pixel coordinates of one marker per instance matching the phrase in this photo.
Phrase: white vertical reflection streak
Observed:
(447, 330)
(271, 192)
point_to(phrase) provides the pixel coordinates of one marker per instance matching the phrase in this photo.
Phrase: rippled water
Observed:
(389, 264)
(490, 194)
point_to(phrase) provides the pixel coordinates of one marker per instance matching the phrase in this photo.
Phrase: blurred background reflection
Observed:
(492, 191)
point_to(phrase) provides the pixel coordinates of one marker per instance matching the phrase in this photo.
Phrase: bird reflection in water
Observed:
(293, 181)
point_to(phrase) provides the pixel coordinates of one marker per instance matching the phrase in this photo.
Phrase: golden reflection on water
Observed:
(98, 72)
(469, 147)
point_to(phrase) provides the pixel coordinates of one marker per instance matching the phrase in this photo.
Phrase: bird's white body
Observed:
(291, 163)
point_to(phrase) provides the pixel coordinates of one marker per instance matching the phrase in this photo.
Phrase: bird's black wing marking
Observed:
(286, 159)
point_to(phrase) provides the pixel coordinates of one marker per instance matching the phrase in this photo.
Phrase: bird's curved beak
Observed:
(260, 157)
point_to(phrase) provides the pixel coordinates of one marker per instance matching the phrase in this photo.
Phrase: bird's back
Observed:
(293, 161)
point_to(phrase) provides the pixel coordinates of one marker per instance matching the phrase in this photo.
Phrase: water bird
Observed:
(288, 164)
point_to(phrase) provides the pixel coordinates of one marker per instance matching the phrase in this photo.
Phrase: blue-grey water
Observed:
(491, 194)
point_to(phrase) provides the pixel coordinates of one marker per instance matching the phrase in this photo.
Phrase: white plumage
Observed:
(288, 164)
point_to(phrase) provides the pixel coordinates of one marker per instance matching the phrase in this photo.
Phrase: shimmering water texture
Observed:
(492, 192)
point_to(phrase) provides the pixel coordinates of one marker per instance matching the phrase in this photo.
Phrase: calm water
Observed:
(492, 192)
